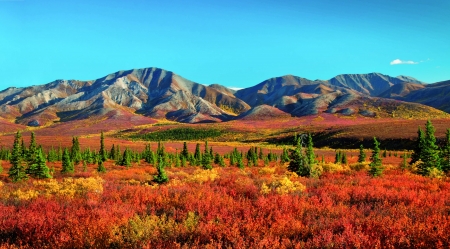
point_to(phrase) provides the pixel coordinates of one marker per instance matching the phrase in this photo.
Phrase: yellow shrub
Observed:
(191, 221)
(201, 176)
(283, 186)
(267, 170)
(436, 173)
(333, 167)
(359, 166)
(70, 187)
(24, 195)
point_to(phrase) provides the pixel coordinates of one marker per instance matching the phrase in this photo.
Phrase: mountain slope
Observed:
(152, 92)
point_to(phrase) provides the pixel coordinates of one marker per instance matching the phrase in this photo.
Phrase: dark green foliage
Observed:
(52, 155)
(240, 162)
(102, 152)
(404, 164)
(338, 157)
(1, 167)
(344, 159)
(430, 152)
(178, 134)
(206, 161)
(362, 154)
(39, 167)
(17, 170)
(376, 163)
(446, 153)
(261, 154)
(101, 167)
(126, 158)
(75, 152)
(299, 162)
(185, 152)
(310, 156)
(420, 143)
(67, 165)
(112, 153)
(84, 166)
(285, 156)
(161, 177)
(197, 154)
(384, 153)
(161, 150)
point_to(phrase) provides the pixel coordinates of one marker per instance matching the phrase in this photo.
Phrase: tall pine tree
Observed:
(362, 154)
(17, 170)
(446, 153)
(430, 152)
(103, 153)
(376, 168)
(420, 144)
(67, 165)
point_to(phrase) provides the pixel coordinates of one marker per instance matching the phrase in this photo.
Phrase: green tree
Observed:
(17, 170)
(40, 169)
(126, 158)
(420, 144)
(75, 151)
(446, 153)
(161, 177)
(430, 152)
(376, 163)
(285, 156)
(185, 152)
(101, 167)
(299, 162)
(67, 165)
(206, 161)
(362, 154)
(310, 156)
(103, 153)
(197, 154)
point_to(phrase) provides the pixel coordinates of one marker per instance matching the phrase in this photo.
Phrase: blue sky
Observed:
(234, 43)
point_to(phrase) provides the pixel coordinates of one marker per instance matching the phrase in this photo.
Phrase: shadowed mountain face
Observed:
(436, 95)
(158, 93)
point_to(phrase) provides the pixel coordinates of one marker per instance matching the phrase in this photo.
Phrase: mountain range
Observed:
(157, 93)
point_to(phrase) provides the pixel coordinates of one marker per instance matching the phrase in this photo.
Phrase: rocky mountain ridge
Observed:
(158, 93)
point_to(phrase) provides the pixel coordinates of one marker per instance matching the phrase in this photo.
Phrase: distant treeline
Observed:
(179, 134)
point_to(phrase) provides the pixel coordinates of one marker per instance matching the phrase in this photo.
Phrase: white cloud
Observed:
(235, 88)
(398, 62)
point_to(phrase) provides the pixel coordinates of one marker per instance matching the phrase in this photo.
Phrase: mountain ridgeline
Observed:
(162, 94)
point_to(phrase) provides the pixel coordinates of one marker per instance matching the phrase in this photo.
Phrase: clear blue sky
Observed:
(237, 43)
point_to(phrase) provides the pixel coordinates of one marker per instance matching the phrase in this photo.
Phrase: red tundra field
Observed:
(249, 205)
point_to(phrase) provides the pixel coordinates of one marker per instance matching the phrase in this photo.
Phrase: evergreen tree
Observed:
(75, 154)
(206, 161)
(420, 144)
(1, 167)
(299, 162)
(376, 163)
(112, 152)
(338, 157)
(285, 156)
(310, 156)
(344, 158)
(161, 177)
(197, 154)
(404, 164)
(384, 153)
(446, 153)
(17, 170)
(126, 158)
(430, 152)
(103, 153)
(240, 162)
(84, 166)
(362, 154)
(185, 152)
(32, 150)
(101, 167)
(40, 169)
(67, 165)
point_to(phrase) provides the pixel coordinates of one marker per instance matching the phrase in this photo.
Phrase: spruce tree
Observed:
(17, 170)
(299, 162)
(446, 153)
(112, 152)
(197, 154)
(206, 161)
(101, 167)
(161, 177)
(420, 143)
(67, 165)
(310, 156)
(103, 153)
(344, 159)
(376, 163)
(430, 152)
(40, 169)
(126, 158)
(285, 156)
(362, 154)
(75, 154)
(185, 152)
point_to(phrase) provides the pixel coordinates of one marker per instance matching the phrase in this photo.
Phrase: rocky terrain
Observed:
(161, 94)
